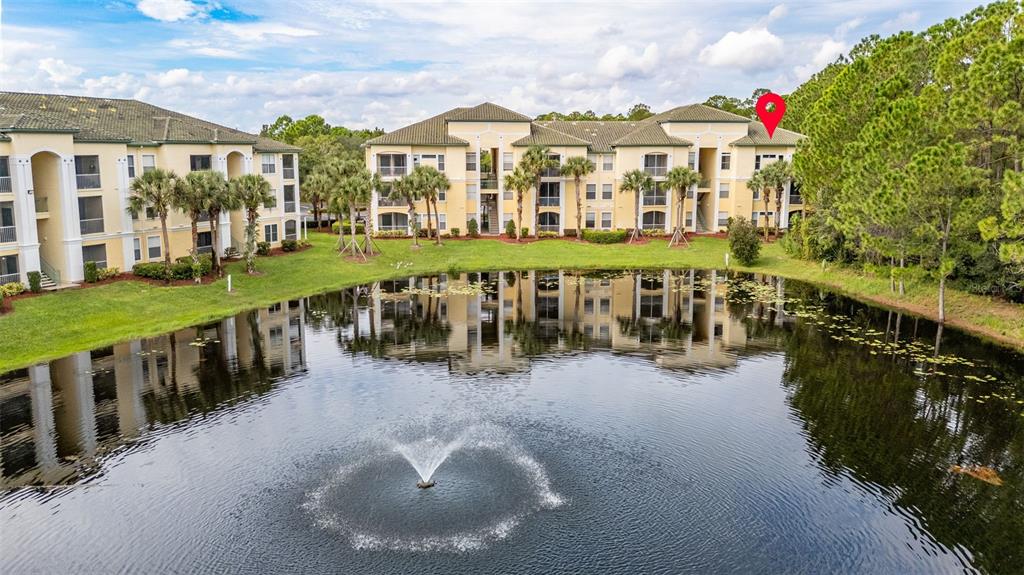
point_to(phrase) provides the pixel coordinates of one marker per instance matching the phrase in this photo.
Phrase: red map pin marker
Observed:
(770, 118)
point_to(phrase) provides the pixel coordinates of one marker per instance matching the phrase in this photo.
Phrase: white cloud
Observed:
(621, 61)
(849, 26)
(750, 50)
(827, 52)
(777, 12)
(176, 77)
(60, 72)
(258, 31)
(168, 10)
(902, 21)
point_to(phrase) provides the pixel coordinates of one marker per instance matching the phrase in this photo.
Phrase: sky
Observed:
(366, 64)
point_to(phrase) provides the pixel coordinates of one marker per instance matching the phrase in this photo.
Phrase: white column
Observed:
(784, 221)
(666, 290)
(73, 265)
(25, 216)
(717, 182)
(373, 195)
(561, 207)
(668, 200)
(696, 188)
(246, 165)
(127, 224)
(43, 429)
(224, 237)
(561, 300)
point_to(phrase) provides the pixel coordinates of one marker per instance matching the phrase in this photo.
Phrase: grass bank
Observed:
(55, 325)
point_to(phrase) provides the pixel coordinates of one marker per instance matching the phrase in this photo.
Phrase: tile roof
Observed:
(432, 131)
(544, 136)
(110, 119)
(488, 112)
(600, 134)
(650, 134)
(696, 113)
(757, 135)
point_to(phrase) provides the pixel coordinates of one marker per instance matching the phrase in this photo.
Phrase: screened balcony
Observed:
(656, 165)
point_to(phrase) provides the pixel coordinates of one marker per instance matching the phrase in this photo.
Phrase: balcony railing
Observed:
(10, 278)
(653, 199)
(42, 204)
(288, 173)
(88, 181)
(289, 207)
(386, 202)
(489, 183)
(548, 228)
(205, 249)
(5, 185)
(656, 171)
(91, 225)
(550, 201)
(391, 170)
(8, 234)
(551, 173)
(796, 199)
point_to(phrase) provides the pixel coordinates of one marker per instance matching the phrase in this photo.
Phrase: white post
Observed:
(229, 283)
(25, 216)
(73, 264)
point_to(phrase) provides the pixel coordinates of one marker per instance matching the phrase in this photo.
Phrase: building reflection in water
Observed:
(56, 419)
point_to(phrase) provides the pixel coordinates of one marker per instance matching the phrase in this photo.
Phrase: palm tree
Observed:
(335, 172)
(251, 191)
(411, 189)
(433, 182)
(636, 181)
(577, 167)
(520, 182)
(192, 196)
(535, 162)
(316, 190)
(756, 184)
(155, 190)
(219, 200)
(355, 190)
(776, 176)
(680, 179)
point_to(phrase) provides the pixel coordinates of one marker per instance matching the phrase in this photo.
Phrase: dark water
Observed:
(665, 422)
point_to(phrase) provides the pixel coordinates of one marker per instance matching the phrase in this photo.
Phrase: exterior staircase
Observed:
(46, 282)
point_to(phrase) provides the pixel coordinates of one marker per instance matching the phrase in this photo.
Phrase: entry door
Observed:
(487, 212)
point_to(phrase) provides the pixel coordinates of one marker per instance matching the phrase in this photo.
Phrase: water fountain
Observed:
(426, 455)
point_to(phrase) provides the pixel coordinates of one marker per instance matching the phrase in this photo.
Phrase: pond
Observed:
(617, 422)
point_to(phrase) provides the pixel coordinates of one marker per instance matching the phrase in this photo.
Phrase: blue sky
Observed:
(369, 63)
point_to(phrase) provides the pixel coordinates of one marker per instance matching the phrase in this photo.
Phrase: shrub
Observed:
(456, 232)
(289, 245)
(653, 233)
(92, 274)
(524, 232)
(510, 229)
(181, 269)
(792, 242)
(605, 236)
(107, 273)
(263, 248)
(569, 232)
(35, 282)
(391, 234)
(547, 235)
(151, 270)
(348, 229)
(304, 244)
(11, 289)
(472, 228)
(743, 241)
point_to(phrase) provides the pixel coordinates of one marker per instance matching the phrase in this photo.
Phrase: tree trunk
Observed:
(167, 241)
(636, 220)
(250, 241)
(438, 216)
(215, 234)
(414, 224)
(903, 289)
(778, 210)
(430, 222)
(942, 271)
(579, 213)
(519, 217)
(536, 207)
(764, 193)
(196, 276)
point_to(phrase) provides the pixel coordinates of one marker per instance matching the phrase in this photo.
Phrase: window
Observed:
(548, 221)
(723, 219)
(131, 167)
(271, 202)
(204, 242)
(90, 215)
(726, 160)
(591, 220)
(153, 247)
(606, 191)
(471, 192)
(87, 172)
(591, 191)
(607, 162)
(606, 220)
(723, 191)
(506, 162)
(9, 269)
(656, 164)
(757, 194)
(442, 195)
(97, 254)
(654, 220)
(288, 166)
(592, 158)
(291, 231)
(556, 171)
(440, 162)
(588, 306)
(691, 160)
(470, 161)
(268, 163)
(655, 197)
(8, 232)
(5, 175)
(151, 213)
(137, 249)
(289, 198)
(689, 219)
(794, 193)
(442, 221)
(148, 163)
(391, 164)
(764, 159)
(505, 219)
(197, 163)
(550, 193)
(270, 233)
(606, 306)
(756, 216)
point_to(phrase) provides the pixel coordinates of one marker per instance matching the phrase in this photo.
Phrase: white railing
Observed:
(8, 234)
(652, 199)
(549, 201)
(10, 278)
(5, 185)
(87, 181)
(391, 170)
(656, 171)
(289, 207)
(91, 225)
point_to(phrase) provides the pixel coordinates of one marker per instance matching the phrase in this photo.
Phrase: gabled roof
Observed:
(488, 112)
(429, 132)
(696, 113)
(757, 135)
(113, 120)
(650, 135)
(599, 134)
(544, 136)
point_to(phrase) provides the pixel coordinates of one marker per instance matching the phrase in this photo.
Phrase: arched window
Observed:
(290, 230)
(654, 220)
(549, 221)
(393, 221)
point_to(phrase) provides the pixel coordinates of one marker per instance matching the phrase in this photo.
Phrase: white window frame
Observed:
(607, 191)
(150, 247)
(472, 193)
(472, 164)
(608, 162)
(131, 166)
(268, 167)
(606, 220)
(507, 164)
(267, 235)
(137, 249)
(590, 222)
(151, 165)
(591, 191)
(723, 191)
(726, 163)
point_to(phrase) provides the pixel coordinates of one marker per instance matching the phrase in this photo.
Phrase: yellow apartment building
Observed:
(475, 147)
(66, 168)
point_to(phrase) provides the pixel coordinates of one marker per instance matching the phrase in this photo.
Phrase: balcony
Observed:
(386, 202)
(288, 173)
(8, 234)
(656, 171)
(653, 199)
(289, 207)
(87, 181)
(5, 185)
(10, 278)
(551, 173)
(795, 199)
(91, 225)
(388, 171)
(550, 201)
(489, 182)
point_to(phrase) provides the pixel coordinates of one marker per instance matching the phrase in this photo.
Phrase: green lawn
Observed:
(54, 325)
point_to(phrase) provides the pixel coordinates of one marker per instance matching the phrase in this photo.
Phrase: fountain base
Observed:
(425, 484)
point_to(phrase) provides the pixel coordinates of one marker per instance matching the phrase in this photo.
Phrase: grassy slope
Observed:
(58, 324)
